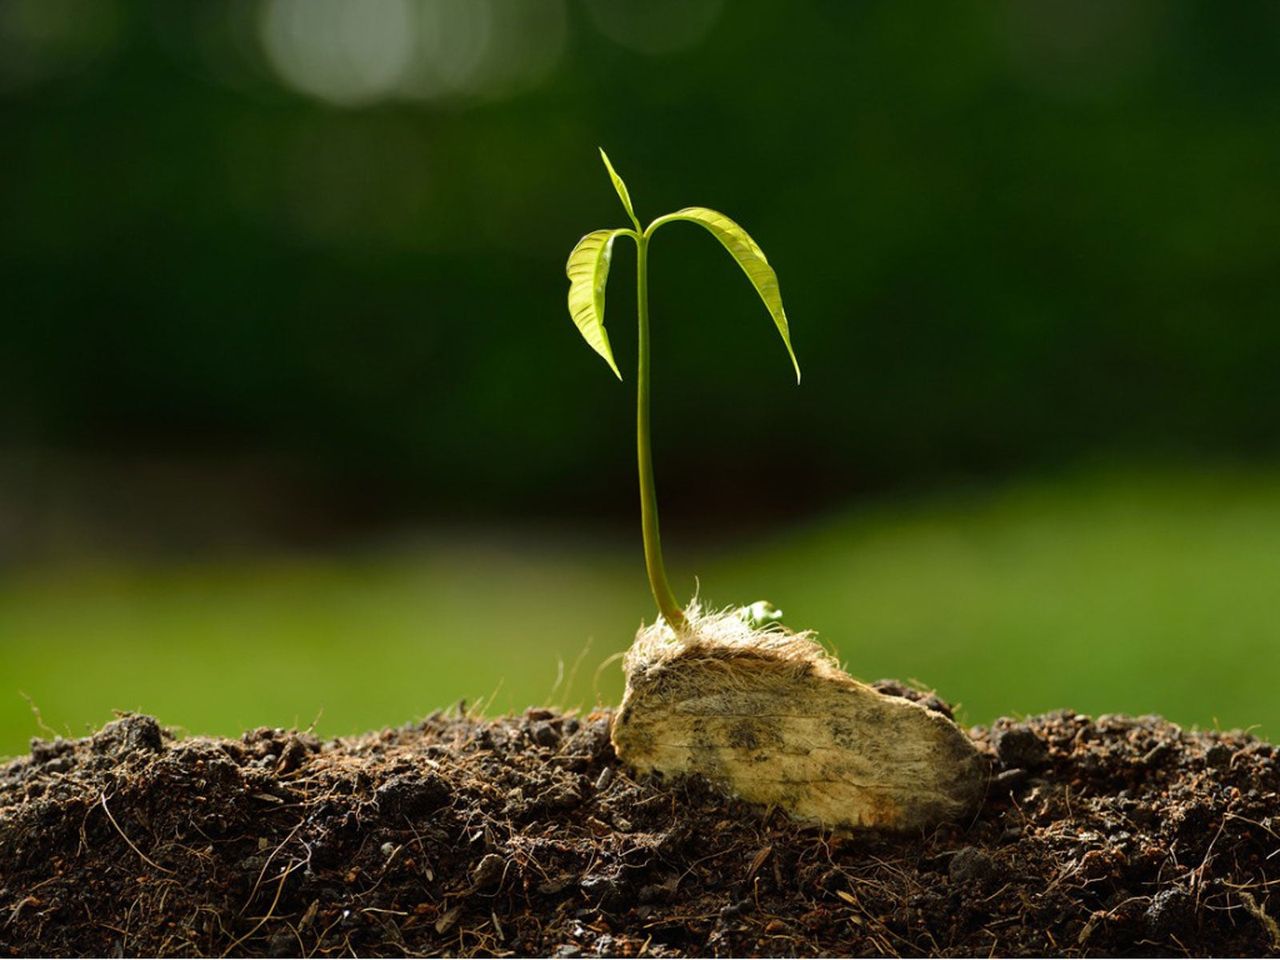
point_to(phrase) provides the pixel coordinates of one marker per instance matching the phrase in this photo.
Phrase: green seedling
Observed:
(761, 710)
(588, 271)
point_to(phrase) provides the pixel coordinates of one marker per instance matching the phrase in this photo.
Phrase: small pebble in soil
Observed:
(488, 871)
(611, 894)
(1020, 748)
(605, 778)
(1008, 779)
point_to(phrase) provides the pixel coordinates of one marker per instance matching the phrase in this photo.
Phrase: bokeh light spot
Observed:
(349, 52)
(479, 48)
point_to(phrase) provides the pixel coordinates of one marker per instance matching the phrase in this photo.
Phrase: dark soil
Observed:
(523, 835)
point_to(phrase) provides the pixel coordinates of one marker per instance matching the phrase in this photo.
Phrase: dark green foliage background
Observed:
(1007, 234)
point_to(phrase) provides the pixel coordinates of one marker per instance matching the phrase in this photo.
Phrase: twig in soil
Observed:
(757, 862)
(27, 901)
(263, 872)
(1252, 823)
(132, 845)
(284, 875)
(302, 947)
(323, 933)
(1259, 885)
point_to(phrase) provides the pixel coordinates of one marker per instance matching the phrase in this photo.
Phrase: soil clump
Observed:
(523, 835)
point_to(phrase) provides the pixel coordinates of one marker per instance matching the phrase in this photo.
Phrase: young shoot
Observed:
(588, 271)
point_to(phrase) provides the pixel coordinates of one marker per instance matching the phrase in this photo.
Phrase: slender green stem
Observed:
(648, 495)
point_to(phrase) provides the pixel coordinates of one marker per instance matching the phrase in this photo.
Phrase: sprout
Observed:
(588, 271)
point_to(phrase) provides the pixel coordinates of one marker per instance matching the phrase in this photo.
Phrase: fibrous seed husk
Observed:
(770, 716)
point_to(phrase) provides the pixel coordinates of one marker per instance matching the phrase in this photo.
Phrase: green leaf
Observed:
(623, 194)
(750, 258)
(588, 271)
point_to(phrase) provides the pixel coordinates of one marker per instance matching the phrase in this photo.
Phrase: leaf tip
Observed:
(606, 354)
(608, 164)
(619, 187)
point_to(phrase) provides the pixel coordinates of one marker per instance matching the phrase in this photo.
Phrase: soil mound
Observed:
(523, 835)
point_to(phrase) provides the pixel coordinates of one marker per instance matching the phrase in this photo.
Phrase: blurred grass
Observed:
(1105, 591)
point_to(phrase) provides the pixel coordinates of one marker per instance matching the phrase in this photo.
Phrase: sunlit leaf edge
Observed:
(748, 255)
(588, 273)
(620, 187)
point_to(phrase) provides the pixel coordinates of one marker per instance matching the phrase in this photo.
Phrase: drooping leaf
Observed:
(750, 258)
(623, 194)
(588, 272)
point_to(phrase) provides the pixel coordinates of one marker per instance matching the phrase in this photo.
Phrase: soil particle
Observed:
(406, 795)
(896, 688)
(545, 734)
(1167, 913)
(129, 734)
(523, 835)
(971, 865)
(603, 781)
(1218, 756)
(488, 871)
(1020, 748)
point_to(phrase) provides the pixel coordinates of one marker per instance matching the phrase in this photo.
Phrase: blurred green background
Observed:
(294, 424)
